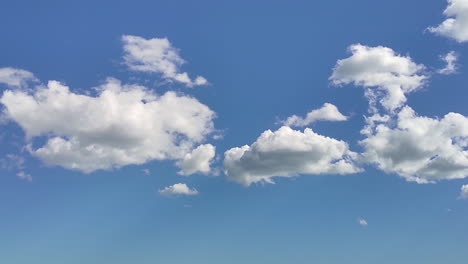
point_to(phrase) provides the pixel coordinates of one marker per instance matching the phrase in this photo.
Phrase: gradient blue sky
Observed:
(265, 61)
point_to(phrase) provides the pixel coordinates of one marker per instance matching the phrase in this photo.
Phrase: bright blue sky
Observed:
(265, 61)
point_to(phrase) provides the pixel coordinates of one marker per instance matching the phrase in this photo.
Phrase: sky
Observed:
(175, 132)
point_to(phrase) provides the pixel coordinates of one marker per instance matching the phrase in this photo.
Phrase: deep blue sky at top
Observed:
(266, 60)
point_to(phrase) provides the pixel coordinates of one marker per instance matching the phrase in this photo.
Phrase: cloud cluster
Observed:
(178, 189)
(387, 76)
(328, 112)
(420, 149)
(121, 125)
(456, 25)
(287, 153)
(157, 55)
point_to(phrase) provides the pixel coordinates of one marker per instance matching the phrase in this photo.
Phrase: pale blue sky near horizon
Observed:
(265, 61)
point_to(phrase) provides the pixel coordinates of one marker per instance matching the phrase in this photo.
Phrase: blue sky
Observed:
(123, 125)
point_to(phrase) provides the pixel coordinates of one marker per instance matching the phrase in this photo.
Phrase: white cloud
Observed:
(178, 189)
(122, 125)
(464, 192)
(198, 160)
(418, 148)
(328, 112)
(287, 153)
(146, 171)
(11, 162)
(157, 55)
(16, 77)
(386, 75)
(456, 25)
(362, 222)
(24, 176)
(451, 60)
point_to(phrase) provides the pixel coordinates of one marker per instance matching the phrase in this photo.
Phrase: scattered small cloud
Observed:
(328, 112)
(146, 171)
(178, 189)
(24, 176)
(157, 55)
(451, 63)
(464, 192)
(362, 222)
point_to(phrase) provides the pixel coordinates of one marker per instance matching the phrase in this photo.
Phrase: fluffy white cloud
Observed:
(287, 153)
(178, 189)
(16, 77)
(362, 222)
(386, 75)
(24, 176)
(456, 25)
(121, 125)
(418, 148)
(157, 55)
(464, 192)
(451, 60)
(198, 160)
(328, 112)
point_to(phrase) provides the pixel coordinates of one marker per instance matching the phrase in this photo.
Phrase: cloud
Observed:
(386, 75)
(24, 176)
(362, 222)
(157, 55)
(12, 162)
(146, 171)
(178, 189)
(464, 192)
(16, 77)
(419, 148)
(456, 25)
(328, 112)
(198, 160)
(121, 125)
(451, 60)
(287, 153)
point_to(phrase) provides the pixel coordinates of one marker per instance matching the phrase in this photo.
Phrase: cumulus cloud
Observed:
(456, 25)
(16, 77)
(328, 112)
(451, 63)
(362, 222)
(178, 189)
(24, 176)
(387, 76)
(121, 125)
(287, 153)
(419, 148)
(198, 160)
(157, 55)
(464, 192)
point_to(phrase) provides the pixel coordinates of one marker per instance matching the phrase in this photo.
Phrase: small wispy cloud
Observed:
(362, 222)
(451, 63)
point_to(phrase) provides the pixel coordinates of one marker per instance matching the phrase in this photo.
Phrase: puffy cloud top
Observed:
(420, 149)
(456, 25)
(393, 75)
(286, 153)
(16, 77)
